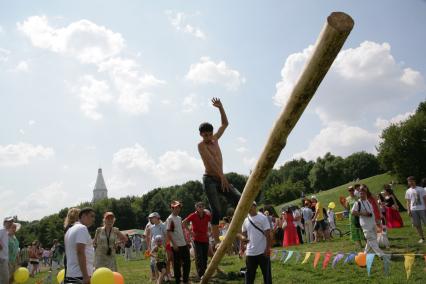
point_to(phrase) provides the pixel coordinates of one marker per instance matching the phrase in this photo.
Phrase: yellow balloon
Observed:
(102, 275)
(21, 275)
(331, 205)
(61, 276)
(221, 238)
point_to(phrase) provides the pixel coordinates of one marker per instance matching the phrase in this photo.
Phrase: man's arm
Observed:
(408, 203)
(217, 103)
(268, 242)
(81, 256)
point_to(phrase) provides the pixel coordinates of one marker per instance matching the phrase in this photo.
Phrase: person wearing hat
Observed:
(13, 249)
(256, 235)
(105, 241)
(156, 228)
(4, 249)
(181, 256)
(159, 253)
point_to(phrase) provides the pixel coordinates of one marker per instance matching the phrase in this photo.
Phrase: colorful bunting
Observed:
(327, 259)
(289, 255)
(350, 258)
(386, 264)
(283, 255)
(307, 255)
(337, 258)
(316, 259)
(298, 256)
(370, 259)
(408, 263)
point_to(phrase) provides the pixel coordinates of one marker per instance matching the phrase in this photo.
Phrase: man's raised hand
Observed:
(217, 103)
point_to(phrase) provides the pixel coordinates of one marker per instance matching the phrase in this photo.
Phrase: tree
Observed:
(327, 172)
(361, 165)
(403, 147)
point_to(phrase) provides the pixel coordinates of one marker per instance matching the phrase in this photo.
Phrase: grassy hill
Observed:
(374, 183)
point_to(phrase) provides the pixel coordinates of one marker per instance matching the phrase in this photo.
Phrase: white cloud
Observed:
(93, 44)
(179, 21)
(22, 67)
(84, 40)
(382, 123)
(242, 149)
(133, 88)
(42, 202)
(190, 103)
(362, 81)
(208, 72)
(92, 92)
(14, 155)
(339, 139)
(31, 122)
(1, 30)
(250, 162)
(173, 167)
(242, 140)
(22, 131)
(4, 55)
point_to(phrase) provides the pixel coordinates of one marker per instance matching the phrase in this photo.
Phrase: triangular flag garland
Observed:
(370, 259)
(408, 263)
(283, 255)
(327, 259)
(307, 255)
(298, 256)
(289, 255)
(350, 258)
(386, 264)
(336, 259)
(316, 259)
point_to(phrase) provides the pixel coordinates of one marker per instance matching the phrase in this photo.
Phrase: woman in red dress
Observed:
(393, 218)
(290, 233)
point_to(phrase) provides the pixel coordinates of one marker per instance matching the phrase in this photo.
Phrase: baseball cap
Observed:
(154, 214)
(175, 203)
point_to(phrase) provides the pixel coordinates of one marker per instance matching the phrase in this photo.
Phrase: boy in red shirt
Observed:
(200, 220)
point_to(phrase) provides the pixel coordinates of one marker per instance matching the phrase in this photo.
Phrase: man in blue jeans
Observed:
(214, 180)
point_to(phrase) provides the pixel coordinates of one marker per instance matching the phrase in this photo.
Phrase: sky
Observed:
(124, 85)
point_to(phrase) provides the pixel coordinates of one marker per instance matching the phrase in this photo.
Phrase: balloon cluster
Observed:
(104, 275)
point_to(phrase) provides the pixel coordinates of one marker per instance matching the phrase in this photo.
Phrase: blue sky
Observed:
(123, 85)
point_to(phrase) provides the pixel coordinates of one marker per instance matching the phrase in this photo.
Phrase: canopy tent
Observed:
(132, 232)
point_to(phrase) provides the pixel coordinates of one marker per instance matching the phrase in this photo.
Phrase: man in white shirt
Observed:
(256, 233)
(4, 250)
(416, 200)
(79, 249)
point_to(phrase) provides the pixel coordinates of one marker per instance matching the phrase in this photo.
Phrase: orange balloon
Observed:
(361, 259)
(118, 278)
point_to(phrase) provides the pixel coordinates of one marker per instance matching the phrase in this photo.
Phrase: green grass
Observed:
(402, 240)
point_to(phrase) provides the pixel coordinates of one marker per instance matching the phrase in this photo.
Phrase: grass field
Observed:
(402, 240)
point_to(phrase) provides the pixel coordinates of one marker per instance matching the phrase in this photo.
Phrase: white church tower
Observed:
(100, 191)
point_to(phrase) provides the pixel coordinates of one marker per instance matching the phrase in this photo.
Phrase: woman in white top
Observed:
(364, 209)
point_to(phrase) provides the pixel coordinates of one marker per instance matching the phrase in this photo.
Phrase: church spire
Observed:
(100, 191)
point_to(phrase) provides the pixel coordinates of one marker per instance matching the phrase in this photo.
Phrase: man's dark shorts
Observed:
(212, 188)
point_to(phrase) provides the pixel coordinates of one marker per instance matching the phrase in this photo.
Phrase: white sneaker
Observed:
(421, 241)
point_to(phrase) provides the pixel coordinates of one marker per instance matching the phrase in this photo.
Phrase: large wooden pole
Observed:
(328, 45)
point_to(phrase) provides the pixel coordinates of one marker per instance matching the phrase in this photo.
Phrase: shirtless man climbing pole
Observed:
(214, 181)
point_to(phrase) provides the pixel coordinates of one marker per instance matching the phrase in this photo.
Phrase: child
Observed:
(159, 252)
(331, 216)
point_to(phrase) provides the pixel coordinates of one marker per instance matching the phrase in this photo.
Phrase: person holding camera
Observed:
(365, 211)
(105, 241)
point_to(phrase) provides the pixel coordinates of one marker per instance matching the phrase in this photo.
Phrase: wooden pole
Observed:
(328, 45)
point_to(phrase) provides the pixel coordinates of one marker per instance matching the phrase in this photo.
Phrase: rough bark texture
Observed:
(328, 45)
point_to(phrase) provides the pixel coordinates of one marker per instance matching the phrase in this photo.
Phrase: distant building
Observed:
(100, 191)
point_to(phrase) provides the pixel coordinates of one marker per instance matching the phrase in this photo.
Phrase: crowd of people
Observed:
(169, 244)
